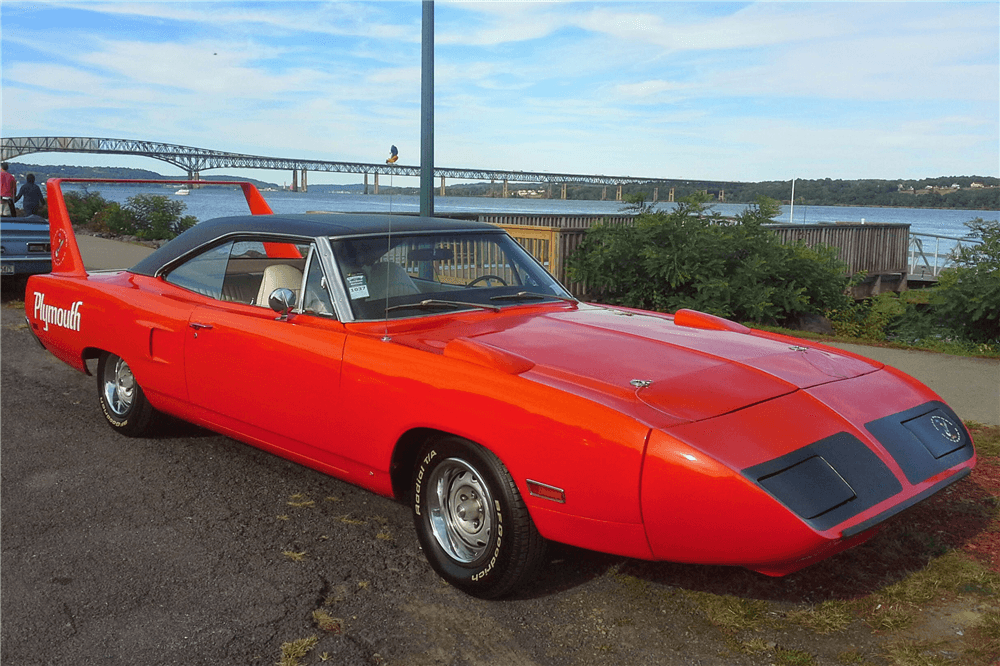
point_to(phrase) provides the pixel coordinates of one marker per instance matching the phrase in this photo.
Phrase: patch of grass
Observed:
(755, 646)
(732, 614)
(327, 622)
(787, 657)
(300, 500)
(828, 617)
(350, 521)
(293, 651)
(921, 653)
(986, 438)
(897, 606)
(952, 573)
(850, 657)
(984, 640)
(891, 617)
(294, 556)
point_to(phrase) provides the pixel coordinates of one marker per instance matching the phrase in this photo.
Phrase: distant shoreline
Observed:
(868, 193)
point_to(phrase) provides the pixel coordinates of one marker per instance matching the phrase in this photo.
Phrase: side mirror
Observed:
(282, 300)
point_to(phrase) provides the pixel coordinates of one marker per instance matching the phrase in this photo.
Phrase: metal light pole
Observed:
(427, 111)
(791, 211)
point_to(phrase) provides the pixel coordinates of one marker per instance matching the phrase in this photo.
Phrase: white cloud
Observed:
(699, 90)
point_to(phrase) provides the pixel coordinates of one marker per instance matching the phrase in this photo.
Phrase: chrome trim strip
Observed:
(334, 281)
(417, 232)
(264, 236)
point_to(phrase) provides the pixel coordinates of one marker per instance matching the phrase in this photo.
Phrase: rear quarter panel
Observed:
(75, 317)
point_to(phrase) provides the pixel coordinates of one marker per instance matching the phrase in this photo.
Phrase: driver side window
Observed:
(248, 271)
(205, 273)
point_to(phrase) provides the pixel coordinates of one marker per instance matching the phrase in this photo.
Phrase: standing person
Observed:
(32, 195)
(7, 188)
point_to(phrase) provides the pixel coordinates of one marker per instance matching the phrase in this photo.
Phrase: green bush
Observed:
(146, 216)
(690, 257)
(967, 298)
(959, 315)
(871, 319)
(115, 219)
(83, 207)
(157, 217)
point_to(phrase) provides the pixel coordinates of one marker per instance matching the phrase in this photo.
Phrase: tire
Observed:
(122, 401)
(474, 527)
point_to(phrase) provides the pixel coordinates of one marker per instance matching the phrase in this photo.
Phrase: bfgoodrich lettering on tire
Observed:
(471, 521)
(122, 401)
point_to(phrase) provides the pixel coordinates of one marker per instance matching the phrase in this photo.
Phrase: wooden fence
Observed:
(880, 250)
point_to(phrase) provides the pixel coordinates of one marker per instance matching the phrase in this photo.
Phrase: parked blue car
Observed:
(24, 242)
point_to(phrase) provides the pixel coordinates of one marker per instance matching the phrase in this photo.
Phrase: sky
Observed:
(706, 90)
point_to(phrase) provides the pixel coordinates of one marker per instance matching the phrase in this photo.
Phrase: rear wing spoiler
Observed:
(66, 258)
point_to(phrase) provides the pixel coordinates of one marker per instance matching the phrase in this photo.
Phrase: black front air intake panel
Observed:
(924, 440)
(828, 481)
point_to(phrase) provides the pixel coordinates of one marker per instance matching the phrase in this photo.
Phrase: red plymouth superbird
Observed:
(436, 362)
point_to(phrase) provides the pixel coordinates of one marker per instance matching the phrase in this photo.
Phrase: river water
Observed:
(211, 202)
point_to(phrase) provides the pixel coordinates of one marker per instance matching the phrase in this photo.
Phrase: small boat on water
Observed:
(183, 192)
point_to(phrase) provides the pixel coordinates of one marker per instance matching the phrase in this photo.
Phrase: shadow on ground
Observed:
(904, 545)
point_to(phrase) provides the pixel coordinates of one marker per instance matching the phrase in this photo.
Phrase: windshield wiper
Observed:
(435, 302)
(530, 296)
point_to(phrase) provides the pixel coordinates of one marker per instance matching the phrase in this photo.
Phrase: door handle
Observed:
(196, 326)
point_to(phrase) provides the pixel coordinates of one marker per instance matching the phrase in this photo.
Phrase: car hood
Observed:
(686, 373)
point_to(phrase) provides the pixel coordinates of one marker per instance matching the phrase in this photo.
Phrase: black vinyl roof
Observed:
(309, 225)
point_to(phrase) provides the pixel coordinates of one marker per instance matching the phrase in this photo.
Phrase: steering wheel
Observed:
(487, 277)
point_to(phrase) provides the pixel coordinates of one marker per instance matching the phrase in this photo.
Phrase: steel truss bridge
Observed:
(196, 160)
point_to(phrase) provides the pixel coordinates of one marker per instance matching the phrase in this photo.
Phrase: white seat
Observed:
(387, 279)
(279, 276)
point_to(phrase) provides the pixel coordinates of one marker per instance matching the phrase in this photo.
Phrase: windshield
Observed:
(423, 274)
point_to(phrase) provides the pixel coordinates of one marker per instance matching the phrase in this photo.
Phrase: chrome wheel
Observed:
(119, 386)
(122, 399)
(471, 522)
(460, 510)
